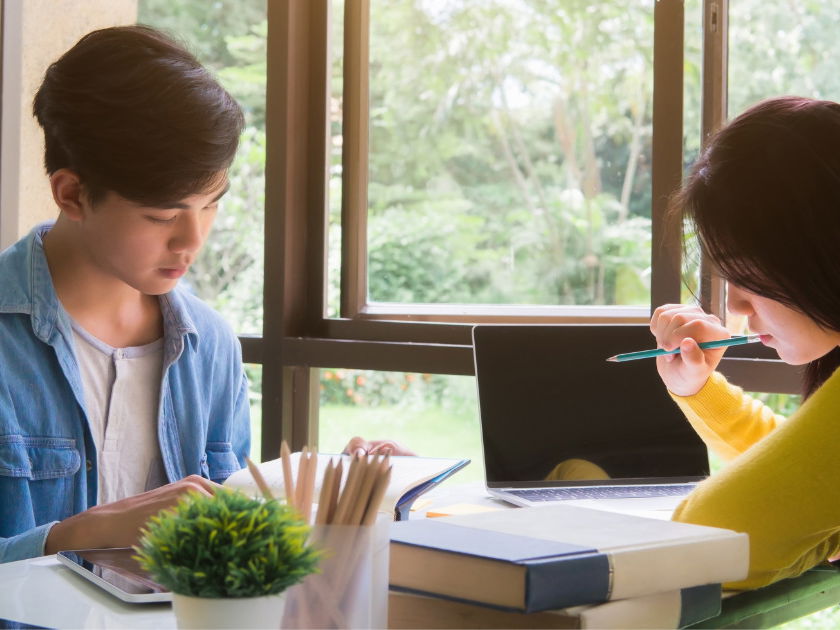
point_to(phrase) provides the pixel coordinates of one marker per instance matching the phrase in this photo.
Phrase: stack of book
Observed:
(559, 566)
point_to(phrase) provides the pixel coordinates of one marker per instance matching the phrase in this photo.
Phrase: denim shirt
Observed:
(48, 465)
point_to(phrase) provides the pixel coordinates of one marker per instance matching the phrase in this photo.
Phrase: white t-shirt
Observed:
(122, 395)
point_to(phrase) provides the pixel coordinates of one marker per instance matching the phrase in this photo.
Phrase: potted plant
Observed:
(227, 558)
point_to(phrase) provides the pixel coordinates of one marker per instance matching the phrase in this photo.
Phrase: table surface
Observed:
(43, 592)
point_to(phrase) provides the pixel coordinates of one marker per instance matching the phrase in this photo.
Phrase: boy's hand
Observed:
(361, 446)
(683, 327)
(118, 524)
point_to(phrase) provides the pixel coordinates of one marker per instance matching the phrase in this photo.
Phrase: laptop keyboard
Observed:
(602, 492)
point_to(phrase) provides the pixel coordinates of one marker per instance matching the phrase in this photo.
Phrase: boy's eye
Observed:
(154, 219)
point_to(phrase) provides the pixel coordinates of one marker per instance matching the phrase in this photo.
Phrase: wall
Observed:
(36, 33)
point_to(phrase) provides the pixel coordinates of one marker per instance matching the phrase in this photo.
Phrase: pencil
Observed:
(259, 479)
(309, 485)
(288, 480)
(300, 478)
(378, 492)
(324, 497)
(366, 483)
(333, 496)
(658, 352)
(350, 490)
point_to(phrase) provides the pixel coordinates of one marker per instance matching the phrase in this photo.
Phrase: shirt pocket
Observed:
(37, 474)
(219, 461)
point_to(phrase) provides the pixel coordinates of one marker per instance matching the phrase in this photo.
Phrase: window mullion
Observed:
(715, 89)
(354, 158)
(667, 148)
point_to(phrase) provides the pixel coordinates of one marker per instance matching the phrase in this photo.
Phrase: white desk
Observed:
(43, 592)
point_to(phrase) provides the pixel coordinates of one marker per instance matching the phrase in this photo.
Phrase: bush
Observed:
(227, 545)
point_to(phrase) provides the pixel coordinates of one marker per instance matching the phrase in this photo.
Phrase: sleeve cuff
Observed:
(29, 544)
(715, 399)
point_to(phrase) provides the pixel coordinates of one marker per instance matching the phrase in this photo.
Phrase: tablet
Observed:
(116, 571)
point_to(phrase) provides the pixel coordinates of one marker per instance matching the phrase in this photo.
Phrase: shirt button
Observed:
(88, 465)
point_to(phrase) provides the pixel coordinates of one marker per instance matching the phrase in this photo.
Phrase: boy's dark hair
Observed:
(764, 198)
(131, 111)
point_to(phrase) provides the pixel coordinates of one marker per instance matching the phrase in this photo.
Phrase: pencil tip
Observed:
(613, 359)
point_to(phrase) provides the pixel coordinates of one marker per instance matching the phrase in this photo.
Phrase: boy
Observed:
(120, 391)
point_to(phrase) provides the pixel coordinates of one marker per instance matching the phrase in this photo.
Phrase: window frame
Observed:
(354, 304)
(298, 338)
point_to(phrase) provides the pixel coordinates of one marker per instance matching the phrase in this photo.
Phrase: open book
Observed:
(410, 477)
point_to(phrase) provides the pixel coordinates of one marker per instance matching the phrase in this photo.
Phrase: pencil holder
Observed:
(351, 588)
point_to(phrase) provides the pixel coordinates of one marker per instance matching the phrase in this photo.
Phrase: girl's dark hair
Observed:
(764, 199)
(131, 111)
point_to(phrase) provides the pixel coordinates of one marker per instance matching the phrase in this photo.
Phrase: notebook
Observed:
(560, 423)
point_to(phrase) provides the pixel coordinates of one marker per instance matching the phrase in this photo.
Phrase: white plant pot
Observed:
(194, 613)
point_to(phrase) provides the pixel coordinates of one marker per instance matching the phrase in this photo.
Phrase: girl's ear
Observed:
(68, 193)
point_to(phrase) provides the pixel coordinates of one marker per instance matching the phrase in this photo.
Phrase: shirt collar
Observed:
(38, 298)
(47, 312)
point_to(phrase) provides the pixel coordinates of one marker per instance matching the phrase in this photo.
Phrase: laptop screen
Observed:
(555, 412)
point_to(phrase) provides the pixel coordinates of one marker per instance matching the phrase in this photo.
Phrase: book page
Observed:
(407, 472)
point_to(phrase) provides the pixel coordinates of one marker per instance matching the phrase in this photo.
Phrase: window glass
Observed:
(254, 373)
(781, 48)
(434, 415)
(229, 38)
(336, 141)
(692, 81)
(509, 152)
(692, 135)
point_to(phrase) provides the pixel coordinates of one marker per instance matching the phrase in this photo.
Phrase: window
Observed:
(429, 140)
(510, 168)
(430, 165)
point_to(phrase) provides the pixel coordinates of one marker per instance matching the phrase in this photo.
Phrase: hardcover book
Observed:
(671, 609)
(543, 558)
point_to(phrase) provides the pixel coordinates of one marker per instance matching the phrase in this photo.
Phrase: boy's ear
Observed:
(68, 193)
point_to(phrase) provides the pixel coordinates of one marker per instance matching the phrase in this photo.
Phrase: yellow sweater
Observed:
(783, 482)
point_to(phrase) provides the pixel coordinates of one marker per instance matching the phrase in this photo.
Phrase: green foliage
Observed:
(510, 167)
(783, 404)
(403, 392)
(227, 545)
(229, 273)
(205, 25)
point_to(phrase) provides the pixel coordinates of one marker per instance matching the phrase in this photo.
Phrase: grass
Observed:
(430, 432)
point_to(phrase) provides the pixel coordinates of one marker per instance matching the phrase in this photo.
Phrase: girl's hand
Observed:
(683, 327)
(361, 446)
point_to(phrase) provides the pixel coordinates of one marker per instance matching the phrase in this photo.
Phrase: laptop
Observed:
(560, 423)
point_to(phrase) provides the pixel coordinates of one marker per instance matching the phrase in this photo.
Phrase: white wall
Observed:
(35, 33)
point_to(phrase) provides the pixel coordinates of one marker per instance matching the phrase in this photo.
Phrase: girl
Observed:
(765, 201)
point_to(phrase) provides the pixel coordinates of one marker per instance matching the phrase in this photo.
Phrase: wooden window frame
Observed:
(298, 338)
